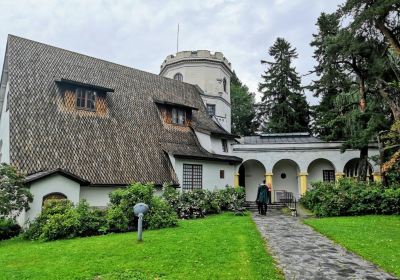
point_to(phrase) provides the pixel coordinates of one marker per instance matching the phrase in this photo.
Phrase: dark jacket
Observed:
(262, 194)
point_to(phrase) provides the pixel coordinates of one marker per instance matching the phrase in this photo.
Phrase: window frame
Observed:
(178, 116)
(224, 143)
(192, 176)
(209, 105)
(328, 175)
(85, 99)
(224, 84)
(178, 77)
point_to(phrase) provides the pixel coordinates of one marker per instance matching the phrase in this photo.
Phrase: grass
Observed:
(375, 238)
(218, 247)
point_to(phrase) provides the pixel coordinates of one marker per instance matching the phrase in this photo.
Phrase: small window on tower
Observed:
(224, 145)
(224, 84)
(211, 109)
(178, 77)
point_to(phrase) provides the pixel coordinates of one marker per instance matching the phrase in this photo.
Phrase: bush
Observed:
(198, 203)
(161, 215)
(58, 220)
(92, 221)
(120, 216)
(351, 197)
(8, 229)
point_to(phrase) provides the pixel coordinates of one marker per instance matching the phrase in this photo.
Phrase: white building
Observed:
(81, 127)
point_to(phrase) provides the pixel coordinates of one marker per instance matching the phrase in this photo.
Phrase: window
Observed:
(178, 116)
(53, 196)
(192, 176)
(211, 109)
(178, 77)
(222, 174)
(85, 99)
(224, 145)
(224, 84)
(328, 175)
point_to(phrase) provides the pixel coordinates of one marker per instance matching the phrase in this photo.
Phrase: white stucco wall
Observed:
(254, 176)
(290, 183)
(51, 184)
(211, 169)
(96, 196)
(5, 130)
(315, 170)
(204, 140)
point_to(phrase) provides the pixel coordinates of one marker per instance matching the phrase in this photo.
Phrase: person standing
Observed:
(262, 198)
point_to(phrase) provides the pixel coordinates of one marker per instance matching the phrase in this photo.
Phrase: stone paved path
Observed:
(302, 253)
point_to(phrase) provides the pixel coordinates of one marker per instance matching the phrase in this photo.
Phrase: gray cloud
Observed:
(141, 34)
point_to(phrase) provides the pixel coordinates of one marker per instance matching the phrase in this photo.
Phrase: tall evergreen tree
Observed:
(243, 111)
(283, 107)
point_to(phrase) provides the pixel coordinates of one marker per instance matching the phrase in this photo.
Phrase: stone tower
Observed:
(211, 72)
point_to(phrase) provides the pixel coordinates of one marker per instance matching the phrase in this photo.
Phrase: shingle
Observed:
(123, 146)
(281, 138)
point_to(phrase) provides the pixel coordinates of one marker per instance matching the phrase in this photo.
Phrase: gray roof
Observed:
(118, 148)
(281, 138)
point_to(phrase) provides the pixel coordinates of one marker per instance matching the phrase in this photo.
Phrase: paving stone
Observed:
(302, 253)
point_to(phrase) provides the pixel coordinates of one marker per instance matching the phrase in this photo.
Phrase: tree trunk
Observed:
(363, 164)
(393, 100)
(363, 97)
(390, 37)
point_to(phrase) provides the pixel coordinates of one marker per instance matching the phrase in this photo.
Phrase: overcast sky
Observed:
(141, 34)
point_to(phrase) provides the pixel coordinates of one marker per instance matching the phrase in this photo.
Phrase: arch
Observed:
(320, 169)
(251, 175)
(351, 169)
(179, 77)
(53, 195)
(285, 178)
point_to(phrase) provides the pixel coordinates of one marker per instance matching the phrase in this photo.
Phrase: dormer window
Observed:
(85, 99)
(178, 77)
(224, 143)
(178, 116)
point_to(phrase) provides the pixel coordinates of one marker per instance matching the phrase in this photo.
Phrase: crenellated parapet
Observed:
(196, 56)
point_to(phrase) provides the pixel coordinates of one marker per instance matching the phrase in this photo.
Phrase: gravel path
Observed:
(303, 253)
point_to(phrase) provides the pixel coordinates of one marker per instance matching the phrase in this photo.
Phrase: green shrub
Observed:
(161, 215)
(351, 197)
(117, 220)
(8, 228)
(58, 220)
(92, 221)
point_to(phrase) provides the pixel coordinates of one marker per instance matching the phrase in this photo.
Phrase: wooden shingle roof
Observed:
(119, 147)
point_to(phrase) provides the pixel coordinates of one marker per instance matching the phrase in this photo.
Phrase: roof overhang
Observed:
(211, 157)
(76, 83)
(43, 174)
(165, 102)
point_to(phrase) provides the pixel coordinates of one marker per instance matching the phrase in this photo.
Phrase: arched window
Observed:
(224, 84)
(178, 77)
(55, 195)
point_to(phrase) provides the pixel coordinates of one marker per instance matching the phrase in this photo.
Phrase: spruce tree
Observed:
(243, 111)
(283, 107)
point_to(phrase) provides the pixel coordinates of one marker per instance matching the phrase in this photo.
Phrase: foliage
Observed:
(217, 247)
(242, 105)
(57, 220)
(375, 238)
(199, 203)
(283, 106)
(161, 214)
(120, 215)
(92, 221)
(8, 228)
(14, 197)
(350, 197)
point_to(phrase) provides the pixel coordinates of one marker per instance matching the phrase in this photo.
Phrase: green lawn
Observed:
(375, 238)
(218, 247)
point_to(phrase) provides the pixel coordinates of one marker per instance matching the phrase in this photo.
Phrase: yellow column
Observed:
(377, 176)
(339, 175)
(236, 180)
(303, 182)
(268, 182)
